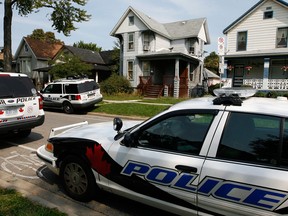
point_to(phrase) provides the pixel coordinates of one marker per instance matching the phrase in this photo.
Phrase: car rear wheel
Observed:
(67, 107)
(78, 179)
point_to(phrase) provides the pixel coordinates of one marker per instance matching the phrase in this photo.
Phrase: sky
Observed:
(105, 15)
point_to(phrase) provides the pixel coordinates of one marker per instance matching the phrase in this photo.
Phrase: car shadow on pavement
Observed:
(103, 201)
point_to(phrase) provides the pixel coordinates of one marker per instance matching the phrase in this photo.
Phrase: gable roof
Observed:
(252, 9)
(86, 55)
(41, 49)
(172, 31)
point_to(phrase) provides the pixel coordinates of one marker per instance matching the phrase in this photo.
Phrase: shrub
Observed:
(116, 84)
(212, 87)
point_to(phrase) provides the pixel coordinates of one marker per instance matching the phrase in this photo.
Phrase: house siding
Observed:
(125, 27)
(260, 36)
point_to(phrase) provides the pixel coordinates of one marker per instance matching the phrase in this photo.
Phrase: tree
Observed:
(63, 16)
(115, 58)
(70, 66)
(39, 34)
(88, 46)
(211, 62)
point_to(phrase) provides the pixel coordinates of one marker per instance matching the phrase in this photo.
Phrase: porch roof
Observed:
(259, 53)
(167, 55)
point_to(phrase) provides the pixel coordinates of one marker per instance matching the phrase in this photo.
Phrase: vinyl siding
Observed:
(261, 33)
(124, 27)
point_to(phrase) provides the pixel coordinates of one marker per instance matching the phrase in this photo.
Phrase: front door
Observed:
(238, 76)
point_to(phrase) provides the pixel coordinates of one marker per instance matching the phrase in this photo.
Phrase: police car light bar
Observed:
(240, 92)
(232, 96)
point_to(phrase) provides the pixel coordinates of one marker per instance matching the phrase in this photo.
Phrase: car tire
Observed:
(78, 179)
(24, 133)
(68, 108)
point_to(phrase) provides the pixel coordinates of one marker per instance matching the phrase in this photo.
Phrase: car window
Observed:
(87, 86)
(71, 88)
(181, 133)
(53, 89)
(16, 87)
(251, 138)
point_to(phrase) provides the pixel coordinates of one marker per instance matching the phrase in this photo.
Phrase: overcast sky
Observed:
(106, 13)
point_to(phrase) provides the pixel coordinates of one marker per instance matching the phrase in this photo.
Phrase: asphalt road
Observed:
(18, 159)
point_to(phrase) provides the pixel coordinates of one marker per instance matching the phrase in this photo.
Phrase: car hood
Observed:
(100, 132)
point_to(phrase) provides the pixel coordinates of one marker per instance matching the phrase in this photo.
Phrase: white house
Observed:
(257, 52)
(168, 57)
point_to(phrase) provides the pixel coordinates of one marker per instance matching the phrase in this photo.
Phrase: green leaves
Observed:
(64, 15)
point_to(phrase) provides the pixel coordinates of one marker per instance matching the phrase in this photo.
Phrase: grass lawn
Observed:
(134, 109)
(13, 204)
(129, 109)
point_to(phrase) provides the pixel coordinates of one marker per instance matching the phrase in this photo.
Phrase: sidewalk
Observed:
(45, 197)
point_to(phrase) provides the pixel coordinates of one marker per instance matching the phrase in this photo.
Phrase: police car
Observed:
(71, 93)
(21, 108)
(221, 155)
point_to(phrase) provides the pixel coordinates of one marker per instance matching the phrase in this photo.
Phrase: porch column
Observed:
(266, 73)
(176, 80)
(224, 75)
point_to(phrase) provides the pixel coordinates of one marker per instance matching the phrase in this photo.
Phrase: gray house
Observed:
(257, 49)
(161, 59)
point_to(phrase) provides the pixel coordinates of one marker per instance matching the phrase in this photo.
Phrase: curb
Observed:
(44, 197)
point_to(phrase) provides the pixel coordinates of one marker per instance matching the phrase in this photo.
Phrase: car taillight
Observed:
(77, 97)
(40, 103)
(1, 112)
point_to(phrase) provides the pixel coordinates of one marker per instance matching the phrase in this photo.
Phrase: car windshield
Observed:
(80, 88)
(16, 87)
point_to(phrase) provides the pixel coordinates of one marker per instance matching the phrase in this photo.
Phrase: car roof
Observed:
(12, 74)
(72, 80)
(270, 106)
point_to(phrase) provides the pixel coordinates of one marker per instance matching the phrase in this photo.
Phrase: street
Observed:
(18, 158)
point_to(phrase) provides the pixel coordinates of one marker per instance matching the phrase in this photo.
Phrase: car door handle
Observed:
(187, 169)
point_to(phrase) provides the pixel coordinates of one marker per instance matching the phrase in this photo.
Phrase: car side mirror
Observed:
(117, 124)
(128, 140)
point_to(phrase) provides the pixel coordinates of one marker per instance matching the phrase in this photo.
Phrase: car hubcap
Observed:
(75, 178)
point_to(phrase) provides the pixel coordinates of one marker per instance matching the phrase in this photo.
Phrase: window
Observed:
(281, 39)
(180, 133)
(251, 138)
(25, 65)
(146, 68)
(130, 70)
(131, 20)
(53, 89)
(131, 41)
(191, 45)
(268, 15)
(16, 87)
(147, 38)
(241, 41)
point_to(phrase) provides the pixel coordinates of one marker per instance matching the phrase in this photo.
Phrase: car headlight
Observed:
(49, 147)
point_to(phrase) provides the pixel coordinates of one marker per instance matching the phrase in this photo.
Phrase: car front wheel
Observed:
(78, 179)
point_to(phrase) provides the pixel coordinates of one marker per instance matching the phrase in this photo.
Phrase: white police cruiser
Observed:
(21, 108)
(207, 156)
(70, 94)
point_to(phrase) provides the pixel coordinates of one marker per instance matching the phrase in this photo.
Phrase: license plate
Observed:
(11, 112)
(91, 95)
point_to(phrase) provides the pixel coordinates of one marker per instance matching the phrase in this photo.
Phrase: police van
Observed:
(71, 93)
(222, 155)
(21, 108)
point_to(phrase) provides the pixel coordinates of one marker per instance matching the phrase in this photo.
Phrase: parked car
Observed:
(221, 155)
(21, 109)
(71, 94)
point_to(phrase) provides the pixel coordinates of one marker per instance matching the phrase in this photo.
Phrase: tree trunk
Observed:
(7, 36)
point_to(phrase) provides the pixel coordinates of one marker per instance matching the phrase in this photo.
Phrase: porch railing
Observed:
(273, 84)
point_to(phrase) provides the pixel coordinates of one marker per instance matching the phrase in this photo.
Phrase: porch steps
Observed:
(153, 91)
